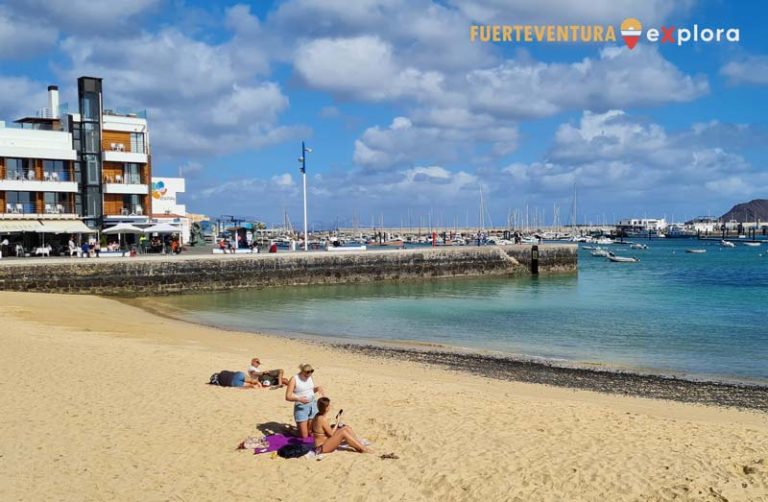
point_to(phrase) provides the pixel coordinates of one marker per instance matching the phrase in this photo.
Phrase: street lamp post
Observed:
(303, 169)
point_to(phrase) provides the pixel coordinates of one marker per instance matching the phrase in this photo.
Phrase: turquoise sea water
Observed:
(696, 315)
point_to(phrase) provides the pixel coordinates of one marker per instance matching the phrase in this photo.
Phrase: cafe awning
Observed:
(65, 227)
(12, 226)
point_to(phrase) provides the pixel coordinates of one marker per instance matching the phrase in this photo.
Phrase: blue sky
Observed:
(406, 116)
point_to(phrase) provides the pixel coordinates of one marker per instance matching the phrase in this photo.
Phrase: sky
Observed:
(408, 119)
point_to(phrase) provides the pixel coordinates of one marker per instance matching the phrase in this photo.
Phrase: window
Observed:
(54, 170)
(54, 202)
(93, 205)
(90, 106)
(15, 169)
(92, 168)
(23, 202)
(91, 137)
(132, 175)
(137, 142)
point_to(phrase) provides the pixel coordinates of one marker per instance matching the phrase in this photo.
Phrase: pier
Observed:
(162, 275)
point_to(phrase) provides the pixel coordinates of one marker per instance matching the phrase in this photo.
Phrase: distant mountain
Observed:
(748, 211)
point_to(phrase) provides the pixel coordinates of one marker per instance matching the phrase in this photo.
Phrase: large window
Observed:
(132, 204)
(91, 137)
(137, 142)
(132, 173)
(92, 169)
(55, 170)
(55, 203)
(20, 202)
(90, 106)
(93, 196)
(16, 169)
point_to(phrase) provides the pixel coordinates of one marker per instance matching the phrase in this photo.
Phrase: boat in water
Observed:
(727, 244)
(696, 251)
(751, 244)
(622, 259)
(638, 246)
(600, 252)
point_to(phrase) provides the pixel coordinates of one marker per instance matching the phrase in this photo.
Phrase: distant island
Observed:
(748, 211)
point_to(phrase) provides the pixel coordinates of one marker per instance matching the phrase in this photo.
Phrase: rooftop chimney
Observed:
(53, 101)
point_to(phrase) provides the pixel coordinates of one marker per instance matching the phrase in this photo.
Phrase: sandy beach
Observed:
(104, 401)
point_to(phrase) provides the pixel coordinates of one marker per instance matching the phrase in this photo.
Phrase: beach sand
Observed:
(103, 401)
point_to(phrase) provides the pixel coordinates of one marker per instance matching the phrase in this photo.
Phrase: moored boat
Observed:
(696, 251)
(751, 244)
(727, 244)
(622, 259)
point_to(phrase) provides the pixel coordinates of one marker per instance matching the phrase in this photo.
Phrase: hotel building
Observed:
(77, 172)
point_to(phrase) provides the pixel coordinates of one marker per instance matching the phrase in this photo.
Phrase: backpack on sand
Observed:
(294, 450)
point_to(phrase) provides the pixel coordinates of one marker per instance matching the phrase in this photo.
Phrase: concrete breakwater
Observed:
(158, 275)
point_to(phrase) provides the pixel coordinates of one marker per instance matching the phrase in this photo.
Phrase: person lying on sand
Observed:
(301, 391)
(239, 379)
(266, 378)
(328, 438)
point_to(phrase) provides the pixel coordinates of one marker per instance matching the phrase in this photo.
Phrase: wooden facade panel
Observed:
(116, 137)
(2, 201)
(112, 169)
(113, 204)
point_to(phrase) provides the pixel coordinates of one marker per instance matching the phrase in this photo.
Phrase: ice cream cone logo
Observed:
(631, 29)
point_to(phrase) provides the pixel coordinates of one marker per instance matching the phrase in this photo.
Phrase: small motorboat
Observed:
(727, 244)
(696, 251)
(600, 252)
(638, 246)
(622, 259)
(589, 248)
(751, 244)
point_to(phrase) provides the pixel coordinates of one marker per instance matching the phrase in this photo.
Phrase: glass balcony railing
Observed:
(32, 175)
(22, 208)
(131, 179)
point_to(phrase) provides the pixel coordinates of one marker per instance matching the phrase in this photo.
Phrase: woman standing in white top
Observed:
(301, 391)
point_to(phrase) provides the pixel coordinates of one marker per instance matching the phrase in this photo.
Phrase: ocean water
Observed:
(692, 315)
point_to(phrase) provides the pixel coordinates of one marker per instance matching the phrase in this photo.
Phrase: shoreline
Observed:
(526, 369)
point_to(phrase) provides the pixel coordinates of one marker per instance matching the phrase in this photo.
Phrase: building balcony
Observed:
(125, 188)
(126, 211)
(51, 182)
(125, 157)
(29, 211)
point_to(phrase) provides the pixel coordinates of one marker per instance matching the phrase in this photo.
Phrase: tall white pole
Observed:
(306, 236)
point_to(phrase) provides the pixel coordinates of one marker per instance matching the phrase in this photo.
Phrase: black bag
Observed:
(294, 450)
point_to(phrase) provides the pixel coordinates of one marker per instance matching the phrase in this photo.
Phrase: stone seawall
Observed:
(158, 275)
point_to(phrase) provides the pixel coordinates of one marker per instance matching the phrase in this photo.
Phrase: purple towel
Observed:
(277, 441)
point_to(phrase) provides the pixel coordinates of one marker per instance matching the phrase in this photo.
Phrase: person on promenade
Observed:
(301, 391)
(266, 378)
(328, 438)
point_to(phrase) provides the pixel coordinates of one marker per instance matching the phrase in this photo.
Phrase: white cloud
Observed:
(406, 143)
(21, 38)
(568, 11)
(84, 16)
(20, 96)
(363, 67)
(201, 98)
(619, 78)
(749, 70)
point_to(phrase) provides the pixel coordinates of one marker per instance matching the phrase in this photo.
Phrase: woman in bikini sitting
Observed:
(327, 438)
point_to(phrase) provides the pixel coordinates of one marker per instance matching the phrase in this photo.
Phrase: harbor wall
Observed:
(159, 275)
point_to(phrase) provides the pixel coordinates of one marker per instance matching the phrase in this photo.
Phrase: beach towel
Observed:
(277, 441)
